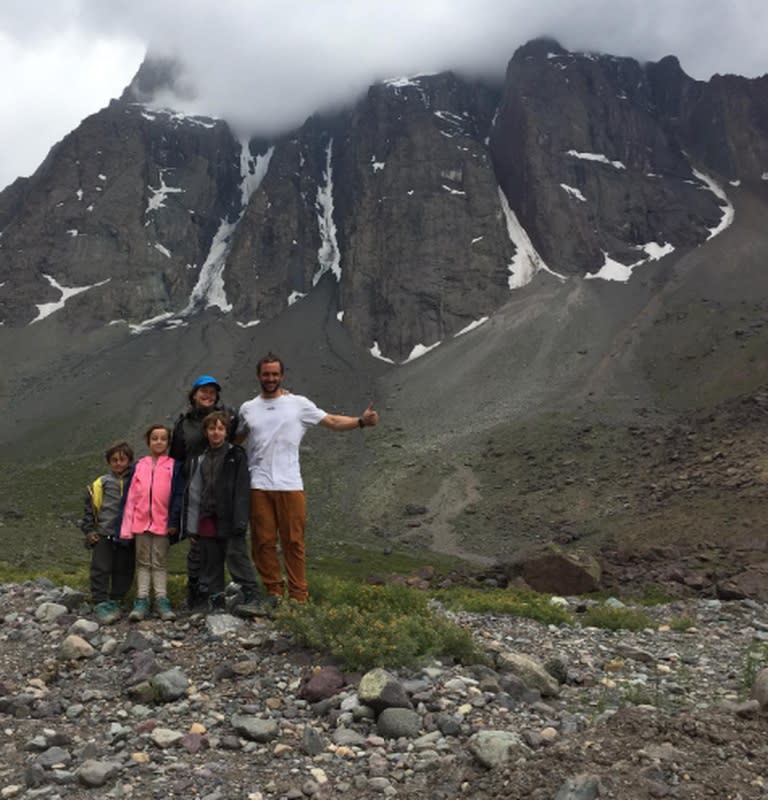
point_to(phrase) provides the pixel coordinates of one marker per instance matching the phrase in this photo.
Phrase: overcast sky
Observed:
(269, 65)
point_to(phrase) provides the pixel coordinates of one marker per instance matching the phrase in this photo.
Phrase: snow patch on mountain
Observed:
(159, 195)
(209, 290)
(728, 211)
(420, 350)
(472, 325)
(599, 157)
(46, 309)
(612, 270)
(375, 351)
(573, 192)
(328, 254)
(526, 262)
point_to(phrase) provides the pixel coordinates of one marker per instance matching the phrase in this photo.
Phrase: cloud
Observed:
(268, 65)
(53, 87)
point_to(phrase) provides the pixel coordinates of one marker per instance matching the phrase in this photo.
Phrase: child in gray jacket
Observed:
(112, 561)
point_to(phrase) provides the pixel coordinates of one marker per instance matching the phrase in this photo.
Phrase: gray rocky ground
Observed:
(223, 708)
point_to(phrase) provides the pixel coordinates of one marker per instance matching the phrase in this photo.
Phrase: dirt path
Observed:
(456, 492)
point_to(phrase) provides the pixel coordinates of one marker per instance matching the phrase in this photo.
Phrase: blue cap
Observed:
(205, 380)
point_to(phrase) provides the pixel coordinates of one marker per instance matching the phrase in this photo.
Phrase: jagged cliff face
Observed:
(602, 156)
(147, 217)
(127, 205)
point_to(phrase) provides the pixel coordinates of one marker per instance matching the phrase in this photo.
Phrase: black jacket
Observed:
(232, 494)
(188, 438)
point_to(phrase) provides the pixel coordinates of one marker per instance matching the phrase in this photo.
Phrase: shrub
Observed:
(515, 602)
(682, 623)
(754, 658)
(374, 626)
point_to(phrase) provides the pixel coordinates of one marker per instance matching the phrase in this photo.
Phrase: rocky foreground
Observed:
(216, 707)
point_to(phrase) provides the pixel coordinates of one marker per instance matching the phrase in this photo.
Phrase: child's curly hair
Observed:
(120, 446)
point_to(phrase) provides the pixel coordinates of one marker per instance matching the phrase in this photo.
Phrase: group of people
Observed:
(197, 483)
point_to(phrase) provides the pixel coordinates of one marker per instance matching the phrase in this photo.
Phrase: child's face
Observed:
(119, 463)
(216, 433)
(158, 441)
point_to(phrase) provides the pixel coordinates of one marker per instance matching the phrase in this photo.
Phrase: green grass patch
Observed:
(515, 602)
(682, 623)
(616, 619)
(754, 659)
(375, 626)
(80, 579)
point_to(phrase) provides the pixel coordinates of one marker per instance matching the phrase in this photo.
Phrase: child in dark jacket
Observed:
(216, 512)
(112, 560)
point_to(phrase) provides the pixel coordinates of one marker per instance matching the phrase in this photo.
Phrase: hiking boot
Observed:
(217, 603)
(107, 612)
(252, 606)
(140, 609)
(270, 604)
(164, 609)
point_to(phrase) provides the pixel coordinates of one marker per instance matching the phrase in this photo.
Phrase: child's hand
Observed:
(173, 535)
(91, 539)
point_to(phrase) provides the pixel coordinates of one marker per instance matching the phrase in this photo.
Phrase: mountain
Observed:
(585, 241)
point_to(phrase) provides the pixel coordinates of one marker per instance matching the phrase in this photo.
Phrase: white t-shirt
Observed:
(274, 429)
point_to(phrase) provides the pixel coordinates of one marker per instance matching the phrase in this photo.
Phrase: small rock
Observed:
(379, 690)
(75, 647)
(50, 612)
(497, 748)
(165, 737)
(255, 728)
(96, 773)
(393, 723)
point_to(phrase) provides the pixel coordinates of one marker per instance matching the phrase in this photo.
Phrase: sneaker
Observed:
(217, 603)
(107, 612)
(140, 609)
(164, 609)
(270, 604)
(252, 606)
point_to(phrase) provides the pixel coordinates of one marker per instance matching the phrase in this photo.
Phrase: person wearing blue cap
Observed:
(187, 443)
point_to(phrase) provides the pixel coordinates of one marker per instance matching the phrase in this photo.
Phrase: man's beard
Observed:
(265, 387)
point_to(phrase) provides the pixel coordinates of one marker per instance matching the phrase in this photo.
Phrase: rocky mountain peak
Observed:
(157, 74)
(425, 202)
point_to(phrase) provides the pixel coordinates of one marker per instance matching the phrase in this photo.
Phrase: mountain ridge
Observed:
(203, 252)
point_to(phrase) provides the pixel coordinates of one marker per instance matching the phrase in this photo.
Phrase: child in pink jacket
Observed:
(151, 517)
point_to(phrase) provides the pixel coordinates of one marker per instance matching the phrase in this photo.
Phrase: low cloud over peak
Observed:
(268, 65)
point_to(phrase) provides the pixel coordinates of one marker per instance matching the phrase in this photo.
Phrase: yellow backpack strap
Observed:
(97, 494)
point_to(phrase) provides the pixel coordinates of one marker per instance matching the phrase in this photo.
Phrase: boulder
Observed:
(557, 571)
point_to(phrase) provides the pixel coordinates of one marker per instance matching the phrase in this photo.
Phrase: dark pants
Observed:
(112, 567)
(194, 562)
(214, 553)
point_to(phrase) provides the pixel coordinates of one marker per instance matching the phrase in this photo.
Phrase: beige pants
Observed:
(151, 564)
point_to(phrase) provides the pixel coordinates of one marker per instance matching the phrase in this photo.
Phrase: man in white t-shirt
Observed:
(272, 426)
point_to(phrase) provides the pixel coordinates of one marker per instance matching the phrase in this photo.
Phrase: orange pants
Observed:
(274, 512)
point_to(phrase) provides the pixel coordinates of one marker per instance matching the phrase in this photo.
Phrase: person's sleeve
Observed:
(241, 426)
(242, 495)
(234, 422)
(125, 518)
(178, 449)
(310, 413)
(88, 522)
(177, 496)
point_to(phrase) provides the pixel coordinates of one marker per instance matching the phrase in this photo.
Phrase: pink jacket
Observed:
(147, 505)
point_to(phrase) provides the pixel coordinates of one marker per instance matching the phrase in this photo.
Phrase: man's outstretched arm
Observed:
(341, 422)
